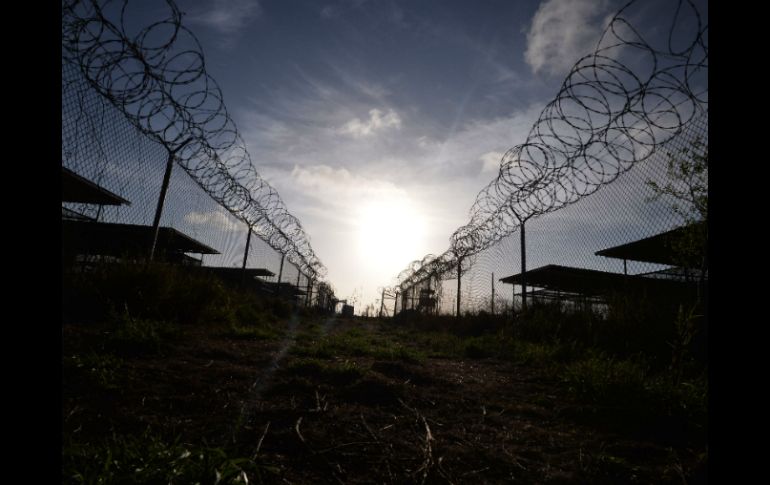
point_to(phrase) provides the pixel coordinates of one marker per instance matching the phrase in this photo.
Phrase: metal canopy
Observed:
(662, 248)
(238, 272)
(587, 281)
(102, 238)
(564, 278)
(285, 288)
(562, 295)
(236, 275)
(75, 188)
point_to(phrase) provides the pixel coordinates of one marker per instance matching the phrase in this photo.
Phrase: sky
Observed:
(378, 121)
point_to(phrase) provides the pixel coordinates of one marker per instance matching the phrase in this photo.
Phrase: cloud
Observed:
(217, 219)
(491, 162)
(227, 17)
(339, 188)
(308, 138)
(330, 12)
(376, 122)
(563, 31)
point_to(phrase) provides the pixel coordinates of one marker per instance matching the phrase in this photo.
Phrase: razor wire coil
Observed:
(607, 117)
(155, 75)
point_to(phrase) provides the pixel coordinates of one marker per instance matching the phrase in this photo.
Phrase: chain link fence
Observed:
(587, 178)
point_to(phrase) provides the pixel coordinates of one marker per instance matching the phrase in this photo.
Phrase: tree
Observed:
(687, 189)
(687, 182)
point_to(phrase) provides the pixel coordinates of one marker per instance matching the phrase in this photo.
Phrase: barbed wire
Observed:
(155, 75)
(607, 117)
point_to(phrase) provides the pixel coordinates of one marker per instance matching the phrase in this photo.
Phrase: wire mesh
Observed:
(581, 180)
(154, 75)
(102, 144)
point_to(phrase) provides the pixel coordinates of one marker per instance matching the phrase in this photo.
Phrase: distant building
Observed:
(347, 310)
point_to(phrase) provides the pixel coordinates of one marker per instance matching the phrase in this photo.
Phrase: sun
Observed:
(391, 233)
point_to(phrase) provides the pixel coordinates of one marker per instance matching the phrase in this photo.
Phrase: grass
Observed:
(603, 380)
(149, 459)
(627, 394)
(613, 374)
(166, 293)
(355, 343)
(632, 387)
(498, 346)
(102, 369)
(251, 332)
(139, 336)
(342, 373)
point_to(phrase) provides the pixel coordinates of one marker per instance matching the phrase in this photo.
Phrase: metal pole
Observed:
(493, 293)
(429, 296)
(161, 200)
(307, 293)
(162, 196)
(246, 255)
(280, 274)
(382, 302)
(395, 305)
(246, 252)
(459, 268)
(523, 269)
(310, 294)
(299, 273)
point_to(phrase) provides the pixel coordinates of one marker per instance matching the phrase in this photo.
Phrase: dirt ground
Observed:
(362, 419)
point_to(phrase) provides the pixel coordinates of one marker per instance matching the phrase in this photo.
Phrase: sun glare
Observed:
(391, 233)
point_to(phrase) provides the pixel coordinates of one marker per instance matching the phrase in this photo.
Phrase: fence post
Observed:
(280, 274)
(493, 293)
(161, 201)
(299, 273)
(246, 254)
(382, 302)
(395, 305)
(162, 196)
(523, 269)
(459, 274)
(411, 297)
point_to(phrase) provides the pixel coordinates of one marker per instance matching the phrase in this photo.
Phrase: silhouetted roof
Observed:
(67, 213)
(587, 281)
(660, 249)
(228, 272)
(564, 278)
(285, 287)
(75, 188)
(103, 238)
(561, 295)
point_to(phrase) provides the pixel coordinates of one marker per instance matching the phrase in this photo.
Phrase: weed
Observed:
(342, 373)
(354, 343)
(148, 459)
(102, 369)
(245, 332)
(138, 336)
